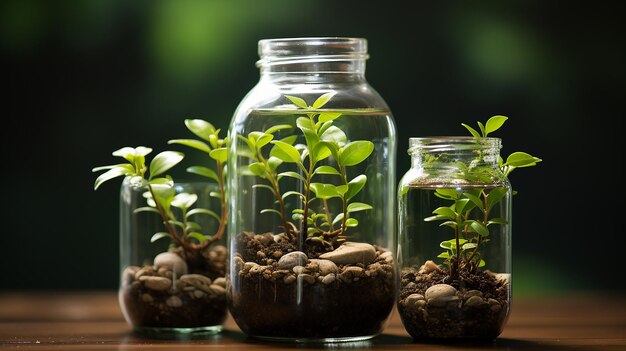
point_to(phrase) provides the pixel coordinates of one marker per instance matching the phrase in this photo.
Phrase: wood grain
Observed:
(93, 321)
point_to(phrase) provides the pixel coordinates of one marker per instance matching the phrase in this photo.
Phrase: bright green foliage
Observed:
(468, 215)
(323, 140)
(176, 210)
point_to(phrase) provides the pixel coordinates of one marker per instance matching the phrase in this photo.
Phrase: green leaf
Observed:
(184, 200)
(263, 140)
(258, 169)
(463, 205)
(196, 144)
(494, 123)
(251, 145)
(445, 255)
(447, 212)
(471, 130)
(351, 222)
(355, 186)
(192, 226)
(480, 228)
(521, 159)
(112, 173)
(289, 193)
(203, 211)
(273, 163)
(203, 171)
(325, 191)
(482, 129)
(356, 152)
(436, 218)
(130, 153)
(292, 175)
(290, 153)
(335, 136)
(473, 198)
(215, 194)
(328, 116)
(497, 221)
(164, 161)
(468, 246)
(338, 219)
(270, 210)
(305, 123)
(326, 170)
(265, 186)
(451, 224)
(494, 196)
(198, 236)
(297, 101)
(322, 100)
(158, 236)
(359, 206)
(220, 154)
(146, 209)
(200, 128)
(447, 193)
(124, 165)
(176, 223)
(481, 263)
(274, 129)
(321, 152)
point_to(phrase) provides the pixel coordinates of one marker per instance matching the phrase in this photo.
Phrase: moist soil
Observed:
(154, 297)
(477, 307)
(306, 302)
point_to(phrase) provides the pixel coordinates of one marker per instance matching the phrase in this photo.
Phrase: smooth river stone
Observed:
(292, 259)
(171, 261)
(325, 266)
(440, 294)
(351, 253)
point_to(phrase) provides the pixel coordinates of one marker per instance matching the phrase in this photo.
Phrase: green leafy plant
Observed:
(323, 141)
(469, 214)
(176, 210)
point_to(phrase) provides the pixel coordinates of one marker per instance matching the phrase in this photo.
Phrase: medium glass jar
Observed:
(312, 181)
(454, 239)
(167, 290)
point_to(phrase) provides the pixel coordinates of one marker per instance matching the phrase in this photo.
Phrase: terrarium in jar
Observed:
(454, 239)
(172, 275)
(312, 181)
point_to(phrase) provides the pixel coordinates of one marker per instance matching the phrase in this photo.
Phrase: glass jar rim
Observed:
(286, 50)
(451, 143)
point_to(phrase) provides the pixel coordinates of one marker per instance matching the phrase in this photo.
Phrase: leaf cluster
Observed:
(324, 141)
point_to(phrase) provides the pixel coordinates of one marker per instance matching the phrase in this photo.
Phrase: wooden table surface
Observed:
(93, 321)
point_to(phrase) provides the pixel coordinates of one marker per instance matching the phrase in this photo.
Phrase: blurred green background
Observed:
(83, 78)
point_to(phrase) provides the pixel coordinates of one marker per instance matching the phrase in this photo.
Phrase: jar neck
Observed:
(327, 57)
(455, 153)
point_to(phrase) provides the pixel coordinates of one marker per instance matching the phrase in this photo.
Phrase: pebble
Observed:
(325, 266)
(329, 278)
(351, 253)
(147, 298)
(470, 293)
(292, 259)
(261, 254)
(215, 289)
(221, 281)
(306, 278)
(428, 266)
(174, 301)
(172, 261)
(288, 279)
(146, 270)
(298, 269)
(198, 281)
(474, 301)
(414, 298)
(156, 283)
(440, 294)
(129, 275)
(199, 294)
(277, 254)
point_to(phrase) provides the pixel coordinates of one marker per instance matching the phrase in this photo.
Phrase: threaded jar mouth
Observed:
(284, 51)
(452, 143)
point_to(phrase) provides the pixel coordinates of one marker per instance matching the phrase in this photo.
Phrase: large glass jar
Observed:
(454, 239)
(169, 289)
(312, 181)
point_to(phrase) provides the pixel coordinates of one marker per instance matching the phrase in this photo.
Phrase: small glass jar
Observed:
(165, 290)
(454, 239)
(312, 181)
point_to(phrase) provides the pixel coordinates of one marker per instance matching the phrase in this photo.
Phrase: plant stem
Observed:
(276, 189)
(170, 229)
(224, 211)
